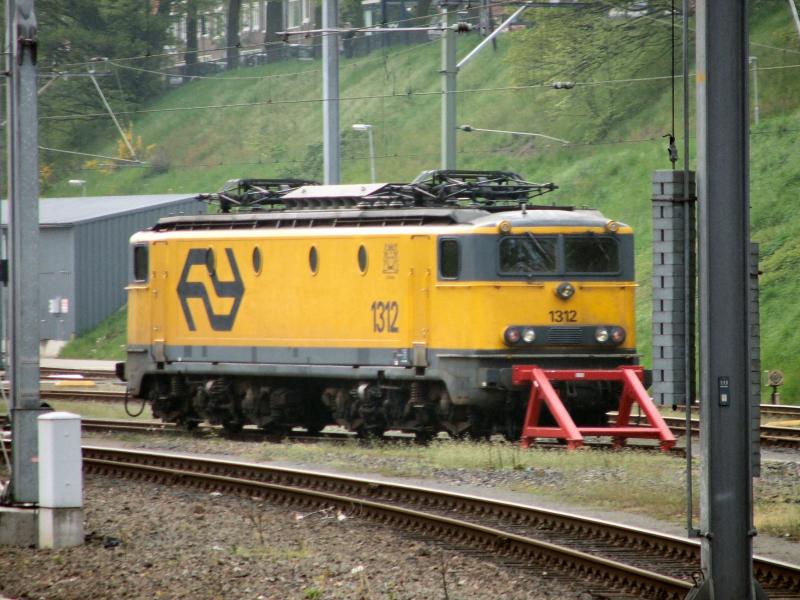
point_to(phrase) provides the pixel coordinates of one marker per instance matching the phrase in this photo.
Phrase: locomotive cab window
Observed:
(140, 263)
(591, 254)
(523, 255)
(449, 259)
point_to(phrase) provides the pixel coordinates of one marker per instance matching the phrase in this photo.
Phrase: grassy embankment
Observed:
(275, 131)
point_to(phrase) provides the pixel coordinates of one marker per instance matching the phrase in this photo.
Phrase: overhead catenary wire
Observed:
(223, 77)
(407, 94)
(386, 156)
(510, 88)
(276, 44)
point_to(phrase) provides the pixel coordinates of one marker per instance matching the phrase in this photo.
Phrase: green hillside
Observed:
(267, 122)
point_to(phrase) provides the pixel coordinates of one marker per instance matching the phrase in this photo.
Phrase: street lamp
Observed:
(753, 60)
(469, 128)
(368, 129)
(81, 183)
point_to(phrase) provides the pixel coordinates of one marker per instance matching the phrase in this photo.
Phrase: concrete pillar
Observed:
(673, 287)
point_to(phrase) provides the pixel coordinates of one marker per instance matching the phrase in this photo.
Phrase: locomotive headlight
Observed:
(601, 335)
(565, 291)
(512, 336)
(612, 226)
(617, 335)
(528, 335)
(504, 226)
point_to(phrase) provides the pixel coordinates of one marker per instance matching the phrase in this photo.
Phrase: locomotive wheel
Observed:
(314, 428)
(276, 429)
(189, 424)
(424, 437)
(232, 427)
(366, 433)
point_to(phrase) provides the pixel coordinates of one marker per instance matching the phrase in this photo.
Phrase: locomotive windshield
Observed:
(591, 255)
(528, 254)
(531, 254)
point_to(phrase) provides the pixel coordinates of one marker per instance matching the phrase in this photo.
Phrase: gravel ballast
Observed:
(150, 541)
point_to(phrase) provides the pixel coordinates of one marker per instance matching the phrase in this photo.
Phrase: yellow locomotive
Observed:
(377, 306)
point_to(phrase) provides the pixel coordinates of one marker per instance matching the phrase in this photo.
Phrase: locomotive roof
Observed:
(492, 191)
(538, 217)
(445, 197)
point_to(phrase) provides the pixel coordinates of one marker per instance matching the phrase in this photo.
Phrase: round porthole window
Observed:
(257, 260)
(211, 262)
(313, 260)
(362, 259)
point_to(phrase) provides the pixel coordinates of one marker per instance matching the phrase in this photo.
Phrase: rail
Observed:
(617, 557)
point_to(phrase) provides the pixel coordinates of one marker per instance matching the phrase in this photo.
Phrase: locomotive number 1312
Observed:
(384, 316)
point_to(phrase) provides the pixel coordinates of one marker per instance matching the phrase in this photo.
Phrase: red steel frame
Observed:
(633, 392)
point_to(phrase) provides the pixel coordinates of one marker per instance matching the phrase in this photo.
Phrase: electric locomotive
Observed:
(377, 306)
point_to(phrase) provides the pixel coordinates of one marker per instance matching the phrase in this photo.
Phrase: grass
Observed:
(106, 341)
(275, 131)
(91, 410)
(637, 482)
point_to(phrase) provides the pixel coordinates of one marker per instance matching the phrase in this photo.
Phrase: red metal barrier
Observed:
(633, 392)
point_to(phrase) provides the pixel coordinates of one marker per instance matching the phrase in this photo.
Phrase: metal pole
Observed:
(726, 493)
(690, 280)
(449, 72)
(371, 155)
(490, 37)
(793, 8)
(113, 117)
(330, 93)
(754, 69)
(23, 170)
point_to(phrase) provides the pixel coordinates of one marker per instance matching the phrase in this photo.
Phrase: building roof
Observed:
(61, 212)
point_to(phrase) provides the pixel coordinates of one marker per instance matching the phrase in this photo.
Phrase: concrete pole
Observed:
(330, 93)
(23, 170)
(726, 490)
(449, 72)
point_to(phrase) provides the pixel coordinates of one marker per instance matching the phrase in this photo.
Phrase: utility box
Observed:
(60, 461)
(60, 480)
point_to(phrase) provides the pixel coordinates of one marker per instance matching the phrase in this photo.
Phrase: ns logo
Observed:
(221, 289)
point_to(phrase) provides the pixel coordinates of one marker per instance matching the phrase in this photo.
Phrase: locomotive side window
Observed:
(591, 254)
(313, 260)
(449, 259)
(140, 263)
(211, 262)
(522, 255)
(257, 260)
(362, 259)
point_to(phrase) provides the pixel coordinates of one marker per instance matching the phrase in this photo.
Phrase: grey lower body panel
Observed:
(480, 379)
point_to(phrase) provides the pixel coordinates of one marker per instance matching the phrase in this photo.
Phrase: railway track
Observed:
(772, 435)
(94, 374)
(785, 437)
(611, 557)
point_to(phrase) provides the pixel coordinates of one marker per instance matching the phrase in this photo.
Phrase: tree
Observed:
(232, 33)
(190, 57)
(131, 34)
(611, 43)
